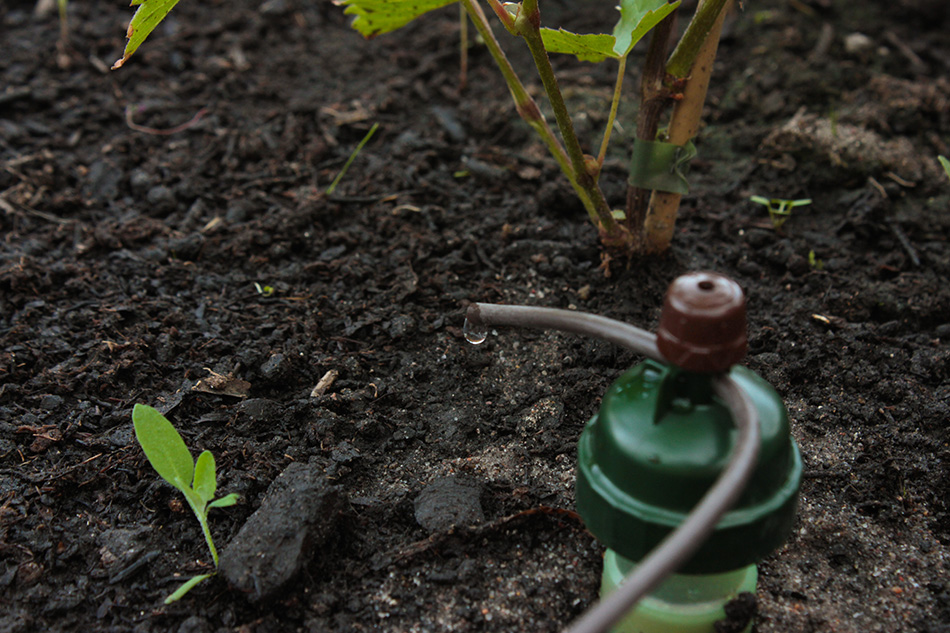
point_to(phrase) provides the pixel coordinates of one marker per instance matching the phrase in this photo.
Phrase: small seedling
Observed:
(780, 210)
(945, 164)
(264, 291)
(349, 161)
(63, 20)
(171, 459)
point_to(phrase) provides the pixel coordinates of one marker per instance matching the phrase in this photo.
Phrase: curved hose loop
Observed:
(680, 544)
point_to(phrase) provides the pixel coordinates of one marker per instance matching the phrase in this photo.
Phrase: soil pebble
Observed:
(448, 502)
(297, 514)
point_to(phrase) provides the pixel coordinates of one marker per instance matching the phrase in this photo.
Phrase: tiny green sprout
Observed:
(264, 291)
(814, 262)
(63, 20)
(349, 161)
(171, 459)
(780, 210)
(945, 164)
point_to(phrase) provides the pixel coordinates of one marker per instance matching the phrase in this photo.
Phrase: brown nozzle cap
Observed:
(703, 324)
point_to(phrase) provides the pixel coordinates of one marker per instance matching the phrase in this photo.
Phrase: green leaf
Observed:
(186, 587)
(637, 17)
(375, 17)
(205, 484)
(945, 164)
(149, 14)
(225, 501)
(163, 447)
(588, 47)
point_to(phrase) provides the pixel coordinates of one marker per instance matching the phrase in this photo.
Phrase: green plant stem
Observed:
(506, 19)
(614, 105)
(63, 20)
(201, 513)
(684, 56)
(527, 108)
(207, 532)
(525, 105)
(349, 161)
(528, 25)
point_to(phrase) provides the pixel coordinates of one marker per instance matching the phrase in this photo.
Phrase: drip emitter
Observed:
(688, 472)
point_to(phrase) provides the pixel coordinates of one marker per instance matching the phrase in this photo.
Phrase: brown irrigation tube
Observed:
(676, 548)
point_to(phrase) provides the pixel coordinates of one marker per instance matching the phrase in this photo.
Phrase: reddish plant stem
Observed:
(654, 100)
(528, 26)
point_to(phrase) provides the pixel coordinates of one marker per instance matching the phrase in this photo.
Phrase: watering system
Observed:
(688, 473)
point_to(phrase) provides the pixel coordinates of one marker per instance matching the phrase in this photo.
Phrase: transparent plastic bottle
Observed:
(683, 603)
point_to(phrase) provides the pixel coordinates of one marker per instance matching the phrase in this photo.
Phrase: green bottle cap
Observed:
(659, 442)
(662, 438)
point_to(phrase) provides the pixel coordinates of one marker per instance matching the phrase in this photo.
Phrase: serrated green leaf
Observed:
(375, 17)
(163, 446)
(225, 501)
(588, 47)
(205, 484)
(637, 18)
(149, 15)
(186, 587)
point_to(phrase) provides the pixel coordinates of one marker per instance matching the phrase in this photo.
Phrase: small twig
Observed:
(905, 50)
(383, 197)
(878, 187)
(324, 383)
(905, 242)
(825, 40)
(463, 46)
(473, 531)
(131, 110)
(6, 206)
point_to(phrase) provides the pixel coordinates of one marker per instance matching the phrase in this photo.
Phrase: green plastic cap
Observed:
(659, 442)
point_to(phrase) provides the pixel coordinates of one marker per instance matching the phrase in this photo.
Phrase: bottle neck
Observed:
(683, 603)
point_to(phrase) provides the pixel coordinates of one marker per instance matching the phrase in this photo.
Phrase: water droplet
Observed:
(474, 334)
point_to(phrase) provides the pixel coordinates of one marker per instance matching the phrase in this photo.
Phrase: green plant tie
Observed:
(661, 166)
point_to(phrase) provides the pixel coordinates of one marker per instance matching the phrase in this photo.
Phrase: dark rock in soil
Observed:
(299, 511)
(447, 502)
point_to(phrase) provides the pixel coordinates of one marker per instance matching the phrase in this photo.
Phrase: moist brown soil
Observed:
(135, 263)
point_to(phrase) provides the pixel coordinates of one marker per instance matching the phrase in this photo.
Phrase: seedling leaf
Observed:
(375, 17)
(637, 17)
(164, 447)
(149, 14)
(205, 484)
(945, 164)
(588, 47)
(225, 501)
(186, 587)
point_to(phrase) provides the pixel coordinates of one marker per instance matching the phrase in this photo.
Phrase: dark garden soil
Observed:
(137, 264)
